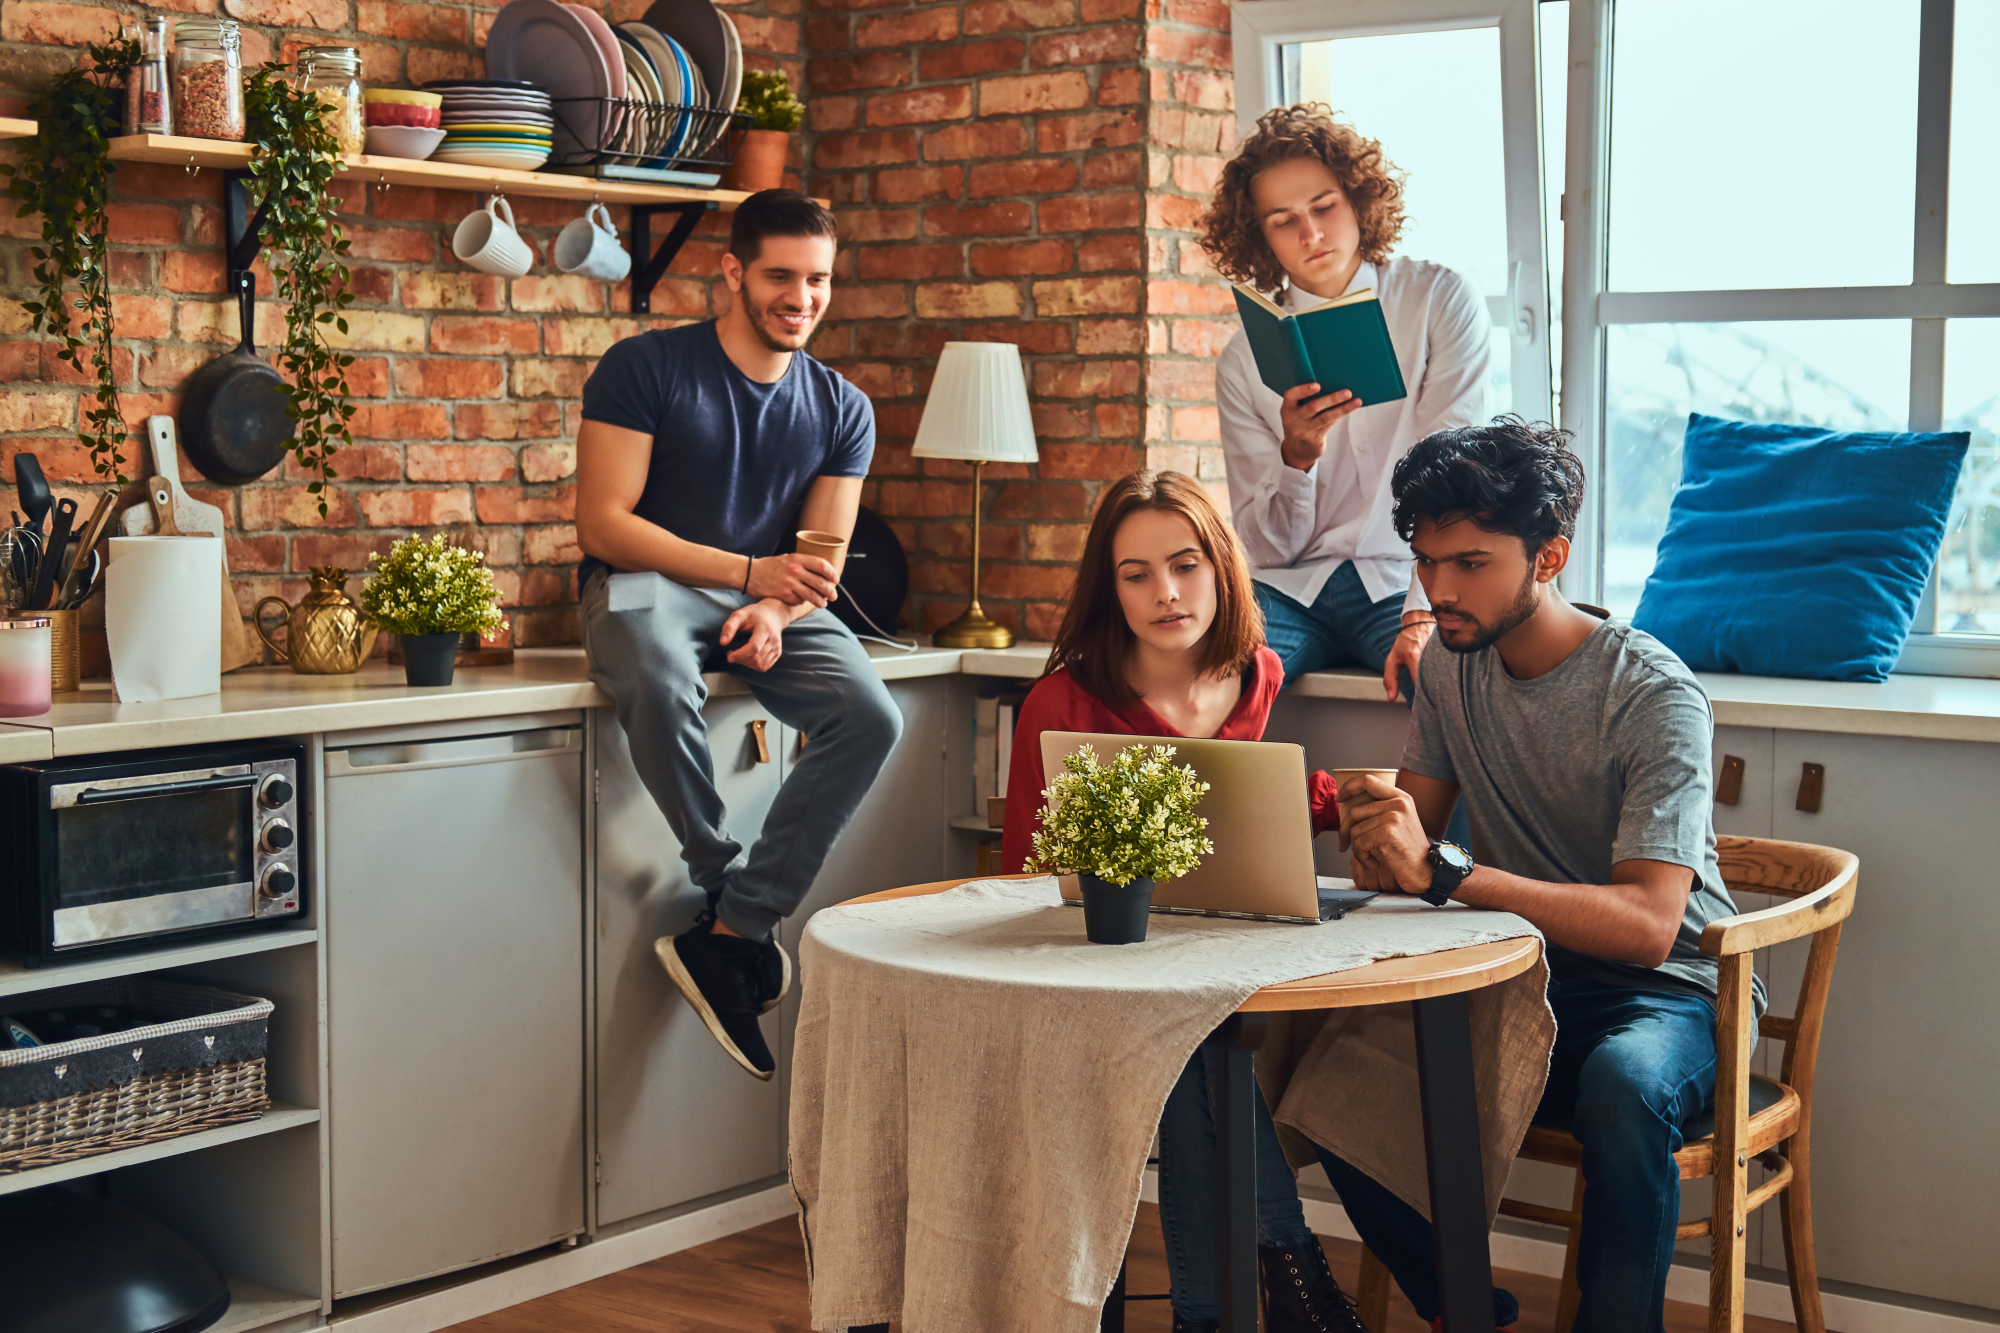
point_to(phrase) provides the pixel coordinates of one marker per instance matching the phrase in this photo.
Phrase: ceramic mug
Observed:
(487, 241)
(589, 247)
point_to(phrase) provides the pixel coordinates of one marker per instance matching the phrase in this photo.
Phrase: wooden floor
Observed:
(755, 1282)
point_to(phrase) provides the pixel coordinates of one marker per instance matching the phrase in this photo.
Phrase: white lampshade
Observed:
(978, 407)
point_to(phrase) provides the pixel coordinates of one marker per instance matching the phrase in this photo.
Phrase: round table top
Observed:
(1390, 981)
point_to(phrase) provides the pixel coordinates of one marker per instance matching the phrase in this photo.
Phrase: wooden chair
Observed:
(1754, 1117)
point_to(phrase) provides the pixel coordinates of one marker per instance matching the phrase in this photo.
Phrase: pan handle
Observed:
(257, 619)
(246, 296)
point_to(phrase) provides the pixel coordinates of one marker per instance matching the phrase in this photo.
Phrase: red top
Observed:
(1058, 703)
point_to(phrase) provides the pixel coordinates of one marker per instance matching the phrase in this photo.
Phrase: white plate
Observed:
(673, 85)
(644, 140)
(610, 119)
(549, 46)
(490, 157)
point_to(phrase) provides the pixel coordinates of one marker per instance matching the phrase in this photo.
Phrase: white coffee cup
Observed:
(487, 241)
(589, 247)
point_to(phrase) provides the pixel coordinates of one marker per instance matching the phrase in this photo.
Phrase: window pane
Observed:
(1975, 132)
(1851, 374)
(1969, 564)
(1770, 144)
(1552, 53)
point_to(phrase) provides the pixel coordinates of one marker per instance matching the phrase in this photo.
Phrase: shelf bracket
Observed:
(240, 228)
(649, 265)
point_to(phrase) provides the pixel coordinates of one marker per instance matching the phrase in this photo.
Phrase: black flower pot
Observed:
(428, 658)
(1112, 915)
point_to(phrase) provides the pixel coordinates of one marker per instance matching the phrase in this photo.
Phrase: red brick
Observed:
(912, 261)
(1210, 92)
(1198, 131)
(1091, 212)
(914, 184)
(1035, 337)
(937, 25)
(405, 244)
(832, 113)
(990, 16)
(768, 32)
(416, 509)
(357, 462)
(899, 339)
(925, 499)
(552, 545)
(349, 552)
(401, 421)
(540, 629)
(192, 271)
(1094, 46)
(1202, 337)
(1018, 94)
(1089, 462)
(1029, 176)
(38, 411)
(451, 289)
(421, 23)
(1102, 171)
(1043, 619)
(168, 365)
(370, 285)
(536, 378)
(1002, 219)
(1044, 256)
(1165, 297)
(1211, 14)
(827, 34)
(460, 462)
(1209, 50)
(1121, 87)
(888, 302)
(1197, 423)
(548, 462)
(433, 378)
(43, 23)
(266, 507)
(426, 63)
(578, 336)
(512, 504)
(878, 380)
(1059, 421)
(1086, 379)
(149, 317)
(970, 58)
(920, 106)
(843, 74)
(557, 292)
(953, 541)
(1101, 337)
(509, 421)
(471, 333)
(143, 224)
(877, 224)
(985, 138)
(324, 15)
(1052, 581)
(1087, 296)
(845, 151)
(1100, 253)
(1181, 381)
(967, 300)
(1096, 129)
(255, 555)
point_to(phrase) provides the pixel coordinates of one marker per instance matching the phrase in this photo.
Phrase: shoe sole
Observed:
(784, 987)
(663, 949)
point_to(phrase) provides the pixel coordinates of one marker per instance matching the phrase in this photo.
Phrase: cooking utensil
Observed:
(160, 499)
(85, 583)
(84, 550)
(34, 487)
(51, 561)
(233, 409)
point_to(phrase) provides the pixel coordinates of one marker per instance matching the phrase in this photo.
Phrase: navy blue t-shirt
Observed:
(732, 458)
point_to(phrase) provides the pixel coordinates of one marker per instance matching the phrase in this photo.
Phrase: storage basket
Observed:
(200, 1066)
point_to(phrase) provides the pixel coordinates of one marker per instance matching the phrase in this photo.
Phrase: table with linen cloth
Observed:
(975, 1089)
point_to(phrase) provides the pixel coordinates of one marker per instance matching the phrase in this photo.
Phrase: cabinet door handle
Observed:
(763, 741)
(1812, 785)
(1729, 786)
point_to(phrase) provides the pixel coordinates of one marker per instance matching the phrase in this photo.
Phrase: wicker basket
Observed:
(201, 1066)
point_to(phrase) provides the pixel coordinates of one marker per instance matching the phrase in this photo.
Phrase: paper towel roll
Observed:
(161, 617)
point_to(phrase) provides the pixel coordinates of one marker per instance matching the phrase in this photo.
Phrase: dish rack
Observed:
(625, 138)
(200, 1067)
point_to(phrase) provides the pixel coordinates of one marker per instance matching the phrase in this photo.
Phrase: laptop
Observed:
(1258, 819)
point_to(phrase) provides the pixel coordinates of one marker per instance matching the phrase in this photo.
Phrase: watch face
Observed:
(1454, 856)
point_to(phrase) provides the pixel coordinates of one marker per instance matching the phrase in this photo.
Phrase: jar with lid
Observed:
(208, 79)
(147, 106)
(24, 665)
(334, 74)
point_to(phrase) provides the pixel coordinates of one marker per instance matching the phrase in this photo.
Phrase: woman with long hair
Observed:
(1163, 638)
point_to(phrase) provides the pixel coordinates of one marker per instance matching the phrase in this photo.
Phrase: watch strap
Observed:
(1445, 877)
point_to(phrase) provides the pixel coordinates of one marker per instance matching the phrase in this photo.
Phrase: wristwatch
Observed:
(1450, 864)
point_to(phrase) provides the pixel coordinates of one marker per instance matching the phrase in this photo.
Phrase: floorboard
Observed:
(755, 1282)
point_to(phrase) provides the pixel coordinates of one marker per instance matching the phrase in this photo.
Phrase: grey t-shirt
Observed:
(1604, 759)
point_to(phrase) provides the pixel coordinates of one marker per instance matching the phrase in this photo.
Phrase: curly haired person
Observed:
(1309, 210)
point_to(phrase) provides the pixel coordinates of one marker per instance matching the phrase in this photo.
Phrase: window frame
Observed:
(1591, 309)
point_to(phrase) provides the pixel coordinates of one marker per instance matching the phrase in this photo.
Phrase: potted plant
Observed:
(1119, 827)
(774, 113)
(430, 592)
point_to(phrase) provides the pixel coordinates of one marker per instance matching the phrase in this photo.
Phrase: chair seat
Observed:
(1774, 1117)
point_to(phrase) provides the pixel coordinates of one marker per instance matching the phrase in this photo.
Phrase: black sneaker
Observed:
(1300, 1295)
(774, 975)
(721, 977)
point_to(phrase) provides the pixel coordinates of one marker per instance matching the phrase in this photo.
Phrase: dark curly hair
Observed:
(1233, 235)
(1514, 477)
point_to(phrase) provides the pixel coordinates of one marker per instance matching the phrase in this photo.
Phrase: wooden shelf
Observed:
(13, 127)
(173, 150)
(255, 1305)
(17, 978)
(974, 824)
(277, 1118)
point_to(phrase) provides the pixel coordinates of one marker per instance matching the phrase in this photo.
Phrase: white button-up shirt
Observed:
(1298, 527)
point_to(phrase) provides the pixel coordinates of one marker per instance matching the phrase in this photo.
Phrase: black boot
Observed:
(1300, 1295)
(1195, 1325)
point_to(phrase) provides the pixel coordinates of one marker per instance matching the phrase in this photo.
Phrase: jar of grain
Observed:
(146, 99)
(334, 74)
(208, 79)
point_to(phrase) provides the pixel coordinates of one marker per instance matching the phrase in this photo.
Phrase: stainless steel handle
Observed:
(99, 795)
(457, 752)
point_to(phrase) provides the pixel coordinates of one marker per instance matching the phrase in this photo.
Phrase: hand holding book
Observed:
(1339, 345)
(1307, 417)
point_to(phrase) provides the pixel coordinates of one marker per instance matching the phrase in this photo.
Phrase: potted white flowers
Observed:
(430, 592)
(1119, 827)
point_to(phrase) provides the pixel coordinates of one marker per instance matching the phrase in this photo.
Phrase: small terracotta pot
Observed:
(760, 161)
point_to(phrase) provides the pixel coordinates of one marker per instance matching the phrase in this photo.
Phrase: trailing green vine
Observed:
(65, 175)
(292, 163)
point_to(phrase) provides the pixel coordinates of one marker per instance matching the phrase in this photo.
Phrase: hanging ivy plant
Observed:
(65, 175)
(294, 153)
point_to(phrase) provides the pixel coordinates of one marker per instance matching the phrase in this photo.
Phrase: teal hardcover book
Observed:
(1340, 344)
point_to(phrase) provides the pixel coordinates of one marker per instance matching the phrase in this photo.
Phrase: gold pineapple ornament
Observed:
(326, 634)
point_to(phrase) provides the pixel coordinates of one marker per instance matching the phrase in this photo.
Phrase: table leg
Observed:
(1451, 1151)
(869, 1328)
(1233, 1099)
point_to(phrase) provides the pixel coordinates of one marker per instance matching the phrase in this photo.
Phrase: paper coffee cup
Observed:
(828, 546)
(1348, 778)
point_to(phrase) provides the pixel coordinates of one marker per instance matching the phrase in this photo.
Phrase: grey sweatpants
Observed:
(649, 640)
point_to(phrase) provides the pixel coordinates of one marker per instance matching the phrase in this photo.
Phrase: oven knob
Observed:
(275, 792)
(278, 882)
(277, 836)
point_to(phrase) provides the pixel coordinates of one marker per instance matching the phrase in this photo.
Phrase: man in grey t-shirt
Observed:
(1582, 751)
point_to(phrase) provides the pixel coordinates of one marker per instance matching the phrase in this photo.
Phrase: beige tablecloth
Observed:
(975, 1087)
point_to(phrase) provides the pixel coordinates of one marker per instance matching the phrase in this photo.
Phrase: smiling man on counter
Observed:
(702, 449)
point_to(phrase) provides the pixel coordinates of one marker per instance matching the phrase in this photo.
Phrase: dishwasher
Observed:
(454, 921)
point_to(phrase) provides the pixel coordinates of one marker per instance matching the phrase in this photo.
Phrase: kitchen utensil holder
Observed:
(200, 1067)
(65, 650)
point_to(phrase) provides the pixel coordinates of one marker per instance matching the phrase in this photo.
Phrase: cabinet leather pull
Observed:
(1812, 785)
(1729, 786)
(763, 741)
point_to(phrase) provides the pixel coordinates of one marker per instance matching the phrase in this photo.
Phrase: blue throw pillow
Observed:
(1797, 550)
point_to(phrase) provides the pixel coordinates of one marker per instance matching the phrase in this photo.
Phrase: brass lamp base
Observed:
(974, 629)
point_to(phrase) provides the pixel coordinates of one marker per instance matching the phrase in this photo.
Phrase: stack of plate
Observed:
(494, 123)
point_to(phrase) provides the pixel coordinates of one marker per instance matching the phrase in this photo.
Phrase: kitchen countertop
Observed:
(274, 701)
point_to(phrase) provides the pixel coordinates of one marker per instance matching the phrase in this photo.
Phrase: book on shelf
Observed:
(1339, 344)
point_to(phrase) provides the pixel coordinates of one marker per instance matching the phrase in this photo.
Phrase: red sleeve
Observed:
(1025, 778)
(1323, 795)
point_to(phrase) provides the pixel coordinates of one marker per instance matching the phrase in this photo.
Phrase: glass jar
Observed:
(24, 665)
(208, 79)
(334, 74)
(147, 105)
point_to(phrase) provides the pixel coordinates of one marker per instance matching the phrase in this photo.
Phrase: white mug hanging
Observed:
(590, 247)
(489, 243)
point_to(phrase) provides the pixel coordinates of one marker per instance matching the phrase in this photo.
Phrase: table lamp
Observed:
(977, 411)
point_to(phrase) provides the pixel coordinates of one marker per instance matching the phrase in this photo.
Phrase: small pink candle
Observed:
(24, 665)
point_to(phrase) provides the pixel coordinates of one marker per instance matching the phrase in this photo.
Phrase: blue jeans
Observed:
(1629, 1069)
(1188, 1208)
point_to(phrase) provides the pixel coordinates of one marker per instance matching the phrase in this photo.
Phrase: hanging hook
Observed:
(193, 168)
(382, 183)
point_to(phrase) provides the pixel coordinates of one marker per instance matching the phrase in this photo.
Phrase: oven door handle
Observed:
(98, 795)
